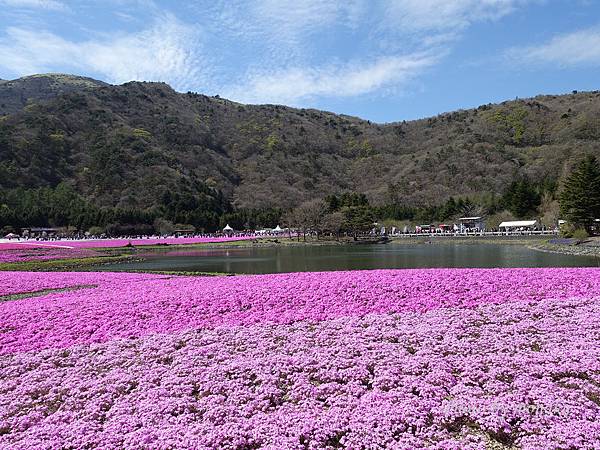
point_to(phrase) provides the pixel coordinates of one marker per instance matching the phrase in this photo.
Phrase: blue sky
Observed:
(383, 60)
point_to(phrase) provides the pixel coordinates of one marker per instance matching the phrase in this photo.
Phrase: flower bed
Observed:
(26, 251)
(403, 359)
(25, 254)
(125, 305)
(22, 282)
(112, 243)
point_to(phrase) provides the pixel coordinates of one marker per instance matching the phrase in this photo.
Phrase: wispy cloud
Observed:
(444, 15)
(285, 30)
(167, 51)
(579, 48)
(436, 23)
(50, 5)
(404, 38)
(294, 85)
(288, 19)
(278, 51)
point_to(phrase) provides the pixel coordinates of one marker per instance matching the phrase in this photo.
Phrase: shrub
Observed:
(580, 234)
(96, 231)
(567, 230)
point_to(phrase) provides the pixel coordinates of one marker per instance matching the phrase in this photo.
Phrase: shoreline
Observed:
(573, 250)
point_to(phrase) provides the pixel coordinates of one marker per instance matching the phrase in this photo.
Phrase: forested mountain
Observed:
(14, 94)
(142, 145)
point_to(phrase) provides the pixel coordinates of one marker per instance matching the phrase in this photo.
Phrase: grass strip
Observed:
(63, 264)
(41, 293)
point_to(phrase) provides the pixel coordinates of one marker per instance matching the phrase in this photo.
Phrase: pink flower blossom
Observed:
(110, 243)
(447, 359)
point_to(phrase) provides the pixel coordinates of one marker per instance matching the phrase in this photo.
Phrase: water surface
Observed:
(350, 257)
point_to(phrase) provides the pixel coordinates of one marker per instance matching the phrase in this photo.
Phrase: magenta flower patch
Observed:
(482, 358)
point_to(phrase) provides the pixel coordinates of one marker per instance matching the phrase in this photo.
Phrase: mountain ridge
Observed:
(131, 145)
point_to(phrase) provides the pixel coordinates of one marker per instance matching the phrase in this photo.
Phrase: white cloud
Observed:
(167, 51)
(296, 18)
(284, 30)
(287, 19)
(294, 85)
(291, 16)
(51, 5)
(294, 35)
(579, 48)
(444, 15)
(278, 47)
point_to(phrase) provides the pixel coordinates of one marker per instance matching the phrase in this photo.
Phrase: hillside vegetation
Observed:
(143, 145)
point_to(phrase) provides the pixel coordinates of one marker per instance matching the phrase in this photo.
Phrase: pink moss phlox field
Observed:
(23, 282)
(520, 374)
(24, 254)
(438, 358)
(111, 243)
(133, 305)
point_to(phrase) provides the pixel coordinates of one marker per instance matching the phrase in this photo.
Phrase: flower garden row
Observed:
(458, 359)
(23, 251)
(126, 305)
(26, 254)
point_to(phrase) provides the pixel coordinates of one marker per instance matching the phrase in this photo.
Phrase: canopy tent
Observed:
(471, 223)
(518, 224)
(11, 236)
(227, 229)
(277, 229)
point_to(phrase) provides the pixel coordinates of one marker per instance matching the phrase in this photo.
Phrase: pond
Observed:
(349, 257)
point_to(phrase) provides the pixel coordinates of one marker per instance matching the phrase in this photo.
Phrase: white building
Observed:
(518, 225)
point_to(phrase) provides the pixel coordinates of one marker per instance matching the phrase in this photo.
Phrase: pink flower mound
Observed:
(109, 243)
(134, 305)
(23, 282)
(524, 374)
(24, 254)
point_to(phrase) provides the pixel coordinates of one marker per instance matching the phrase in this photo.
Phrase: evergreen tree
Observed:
(359, 219)
(521, 198)
(580, 197)
(449, 209)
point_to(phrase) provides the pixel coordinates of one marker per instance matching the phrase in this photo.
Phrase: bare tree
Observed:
(308, 217)
(333, 223)
(290, 221)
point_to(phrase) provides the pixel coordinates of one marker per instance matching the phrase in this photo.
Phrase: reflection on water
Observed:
(350, 257)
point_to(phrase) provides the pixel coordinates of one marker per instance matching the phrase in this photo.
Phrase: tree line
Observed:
(345, 213)
(62, 207)
(351, 213)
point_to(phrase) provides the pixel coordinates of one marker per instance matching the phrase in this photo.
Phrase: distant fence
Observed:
(479, 234)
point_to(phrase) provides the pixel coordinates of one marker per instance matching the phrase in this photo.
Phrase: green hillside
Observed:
(138, 145)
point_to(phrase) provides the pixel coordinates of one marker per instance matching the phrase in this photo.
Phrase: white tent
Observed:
(518, 224)
(277, 229)
(227, 229)
(471, 223)
(11, 236)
